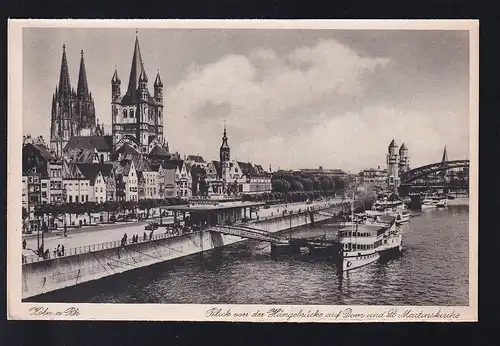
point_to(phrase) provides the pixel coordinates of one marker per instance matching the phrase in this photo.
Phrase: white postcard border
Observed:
(237, 313)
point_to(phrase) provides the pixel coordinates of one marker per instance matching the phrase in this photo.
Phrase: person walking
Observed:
(62, 250)
(24, 244)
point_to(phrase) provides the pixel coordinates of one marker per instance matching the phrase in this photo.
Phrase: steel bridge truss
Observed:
(249, 233)
(420, 172)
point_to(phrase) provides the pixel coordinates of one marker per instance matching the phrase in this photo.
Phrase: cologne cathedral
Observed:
(73, 111)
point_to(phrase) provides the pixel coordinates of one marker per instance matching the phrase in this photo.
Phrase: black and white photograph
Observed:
(243, 170)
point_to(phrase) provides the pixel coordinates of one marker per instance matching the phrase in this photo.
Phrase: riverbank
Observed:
(110, 258)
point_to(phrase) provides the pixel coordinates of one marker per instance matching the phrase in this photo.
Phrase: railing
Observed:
(105, 246)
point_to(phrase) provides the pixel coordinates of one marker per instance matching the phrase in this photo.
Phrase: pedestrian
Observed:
(151, 235)
(62, 250)
(125, 238)
(24, 244)
(55, 253)
(144, 237)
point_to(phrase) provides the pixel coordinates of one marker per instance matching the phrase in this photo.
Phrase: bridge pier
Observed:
(404, 190)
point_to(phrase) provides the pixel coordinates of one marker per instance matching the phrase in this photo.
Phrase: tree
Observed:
(307, 184)
(89, 208)
(279, 185)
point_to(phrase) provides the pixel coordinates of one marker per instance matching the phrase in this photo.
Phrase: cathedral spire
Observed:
(445, 155)
(224, 145)
(64, 83)
(137, 68)
(158, 82)
(115, 78)
(82, 88)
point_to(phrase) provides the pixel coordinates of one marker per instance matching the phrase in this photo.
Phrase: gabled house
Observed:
(126, 180)
(182, 178)
(77, 187)
(214, 178)
(160, 186)
(38, 160)
(97, 174)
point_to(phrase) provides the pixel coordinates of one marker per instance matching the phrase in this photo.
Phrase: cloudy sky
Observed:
(290, 98)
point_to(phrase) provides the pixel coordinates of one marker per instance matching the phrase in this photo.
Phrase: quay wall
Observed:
(53, 274)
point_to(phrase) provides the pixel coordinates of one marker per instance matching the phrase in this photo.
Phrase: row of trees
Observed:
(112, 207)
(286, 182)
(290, 197)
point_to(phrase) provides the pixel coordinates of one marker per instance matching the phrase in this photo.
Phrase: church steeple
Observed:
(445, 155)
(224, 148)
(82, 88)
(137, 69)
(64, 82)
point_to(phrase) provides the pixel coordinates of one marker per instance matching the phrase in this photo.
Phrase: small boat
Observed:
(434, 202)
(442, 203)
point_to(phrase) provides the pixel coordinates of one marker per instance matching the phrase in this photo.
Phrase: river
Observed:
(432, 270)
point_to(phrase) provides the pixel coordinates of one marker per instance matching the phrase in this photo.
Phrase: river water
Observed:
(432, 270)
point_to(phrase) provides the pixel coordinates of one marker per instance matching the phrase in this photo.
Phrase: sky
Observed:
(290, 98)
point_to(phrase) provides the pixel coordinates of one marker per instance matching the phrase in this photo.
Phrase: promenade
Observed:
(109, 233)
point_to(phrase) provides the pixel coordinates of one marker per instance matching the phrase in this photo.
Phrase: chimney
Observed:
(378, 168)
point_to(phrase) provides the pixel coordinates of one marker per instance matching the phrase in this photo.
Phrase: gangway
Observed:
(249, 233)
(323, 213)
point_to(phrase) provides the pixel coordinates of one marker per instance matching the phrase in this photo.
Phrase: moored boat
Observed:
(359, 245)
(434, 202)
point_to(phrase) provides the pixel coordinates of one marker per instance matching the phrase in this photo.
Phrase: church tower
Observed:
(86, 108)
(445, 155)
(224, 153)
(64, 117)
(137, 116)
(404, 159)
(393, 165)
(158, 96)
(73, 112)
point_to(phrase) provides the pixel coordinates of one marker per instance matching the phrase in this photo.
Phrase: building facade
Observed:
(127, 181)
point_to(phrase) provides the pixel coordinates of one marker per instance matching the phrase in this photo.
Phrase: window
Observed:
(76, 199)
(44, 185)
(131, 113)
(86, 198)
(124, 113)
(101, 190)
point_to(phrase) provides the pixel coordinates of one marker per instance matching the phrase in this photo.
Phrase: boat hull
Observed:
(351, 261)
(393, 247)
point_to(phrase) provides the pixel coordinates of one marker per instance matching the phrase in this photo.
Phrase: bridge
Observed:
(415, 179)
(261, 235)
(420, 172)
(250, 233)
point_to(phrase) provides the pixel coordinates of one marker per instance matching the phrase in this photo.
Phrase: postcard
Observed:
(243, 170)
